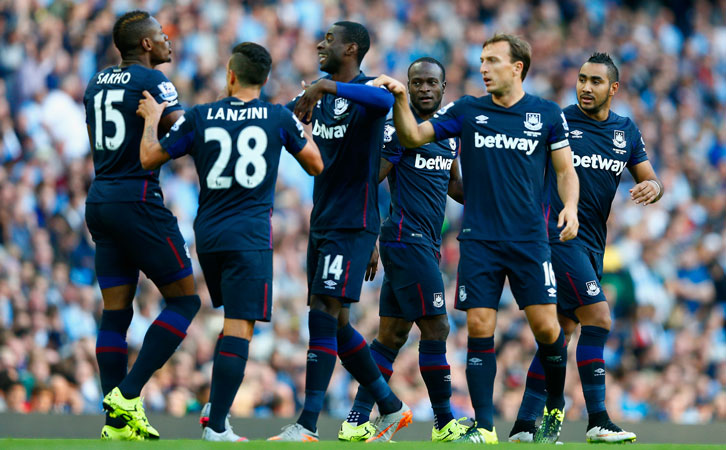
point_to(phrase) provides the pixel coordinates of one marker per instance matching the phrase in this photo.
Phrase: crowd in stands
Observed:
(664, 265)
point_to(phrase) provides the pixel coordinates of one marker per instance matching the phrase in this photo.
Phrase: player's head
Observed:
(505, 61)
(249, 65)
(137, 33)
(426, 84)
(597, 82)
(343, 41)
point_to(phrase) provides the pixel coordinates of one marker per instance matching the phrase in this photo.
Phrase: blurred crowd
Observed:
(664, 265)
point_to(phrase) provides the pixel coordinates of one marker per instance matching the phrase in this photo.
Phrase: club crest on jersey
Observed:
(592, 288)
(452, 144)
(438, 300)
(168, 91)
(533, 121)
(619, 141)
(388, 131)
(339, 106)
(462, 293)
(576, 134)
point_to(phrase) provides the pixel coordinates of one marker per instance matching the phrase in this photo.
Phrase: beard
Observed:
(595, 108)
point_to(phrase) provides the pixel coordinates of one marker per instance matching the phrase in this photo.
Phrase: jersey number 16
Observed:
(251, 146)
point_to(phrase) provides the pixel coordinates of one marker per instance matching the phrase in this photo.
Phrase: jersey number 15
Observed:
(105, 108)
(251, 146)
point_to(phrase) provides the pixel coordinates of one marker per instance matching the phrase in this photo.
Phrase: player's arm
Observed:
(309, 158)
(410, 133)
(151, 153)
(367, 96)
(568, 186)
(384, 168)
(649, 188)
(168, 120)
(456, 184)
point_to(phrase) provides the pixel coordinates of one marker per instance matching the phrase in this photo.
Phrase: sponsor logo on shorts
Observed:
(475, 361)
(592, 288)
(552, 292)
(462, 293)
(438, 300)
(330, 284)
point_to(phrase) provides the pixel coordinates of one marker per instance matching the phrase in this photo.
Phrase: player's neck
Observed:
(510, 97)
(142, 60)
(346, 73)
(426, 116)
(246, 93)
(600, 115)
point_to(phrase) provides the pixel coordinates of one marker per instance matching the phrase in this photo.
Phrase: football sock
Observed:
(554, 362)
(481, 368)
(161, 340)
(363, 404)
(217, 344)
(322, 354)
(535, 396)
(356, 358)
(227, 375)
(112, 352)
(591, 365)
(436, 374)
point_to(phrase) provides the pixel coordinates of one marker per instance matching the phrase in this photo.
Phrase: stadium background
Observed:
(664, 263)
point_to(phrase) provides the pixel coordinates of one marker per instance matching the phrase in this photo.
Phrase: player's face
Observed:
(331, 50)
(594, 89)
(160, 44)
(425, 87)
(497, 69)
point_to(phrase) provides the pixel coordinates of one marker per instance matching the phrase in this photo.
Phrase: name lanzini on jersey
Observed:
(237, 115)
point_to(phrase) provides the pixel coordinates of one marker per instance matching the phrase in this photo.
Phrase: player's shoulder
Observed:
(623, 122)
(542, 104)
(389, 132)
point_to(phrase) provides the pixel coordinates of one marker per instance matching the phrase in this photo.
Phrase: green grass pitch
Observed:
(60, 444)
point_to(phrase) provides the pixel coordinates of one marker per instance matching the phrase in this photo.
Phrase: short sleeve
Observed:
(164, 91)
(392, 149)
(178, 141)
(637, 154)
(559, 130)
(292, 133)
(447, 121)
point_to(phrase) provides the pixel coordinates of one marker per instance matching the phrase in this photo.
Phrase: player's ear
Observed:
(614, 87)
(146, 44)
(443, 86)
(352, 49)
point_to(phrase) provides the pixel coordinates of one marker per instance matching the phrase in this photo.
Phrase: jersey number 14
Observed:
(251, 145)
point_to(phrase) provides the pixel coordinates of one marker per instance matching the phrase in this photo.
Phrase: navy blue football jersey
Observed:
(419, 183)
(600, 153)
(504, 153)
(236, 148)
(349, 136)
(111, 100)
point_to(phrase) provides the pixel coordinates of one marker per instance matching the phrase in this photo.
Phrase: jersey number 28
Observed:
(251, 146)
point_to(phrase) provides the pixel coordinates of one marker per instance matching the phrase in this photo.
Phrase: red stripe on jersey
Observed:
(572, 283)
(345, 281)
(176, 253)
(400, 226)
(420, 294)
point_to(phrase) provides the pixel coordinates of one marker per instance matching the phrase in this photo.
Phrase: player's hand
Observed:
(372, 265)
(568, 218)
(644, 193)
(148, 108)
(394, 86)
(313, 93)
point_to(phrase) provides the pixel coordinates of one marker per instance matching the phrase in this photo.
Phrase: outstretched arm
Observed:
(410, 133)
(649, 188)
(368, 96)
(152, 155)
(568, 186)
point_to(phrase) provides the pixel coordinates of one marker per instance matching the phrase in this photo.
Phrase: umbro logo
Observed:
(475, 361)
(482, 119)
(312, 357)
(552, 292)
(576, 134)
(554, 359)
(599, 372)
(330, 284)
(447, 378)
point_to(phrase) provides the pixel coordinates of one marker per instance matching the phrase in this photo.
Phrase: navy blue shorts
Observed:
(412, 285)
(241, 281)
(484, 264)
(578, 272)
(133, 236)
(337, 262)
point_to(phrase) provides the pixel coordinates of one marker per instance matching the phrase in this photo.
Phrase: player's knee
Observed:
(435, 328)
(186, 305)
(545, 329)
(328, 305)
(393, 338)
(598, 321)
(595, 315)
(481, 322)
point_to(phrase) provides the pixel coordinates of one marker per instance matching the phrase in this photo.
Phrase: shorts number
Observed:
(249, 155)
(549, 274)
(335, 268)
(105, 107)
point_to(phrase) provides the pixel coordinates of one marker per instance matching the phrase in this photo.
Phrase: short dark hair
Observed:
(250, 63)
(604, 58)
(129, 30)
(519, 49)
(428, 59)
(357, 34)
